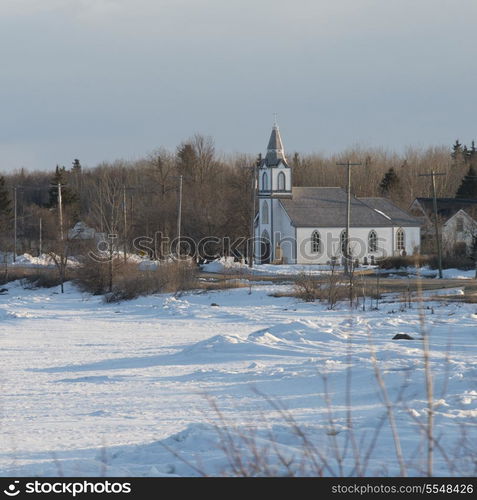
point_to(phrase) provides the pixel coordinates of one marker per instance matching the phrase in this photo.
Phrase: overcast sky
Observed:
(107, 79)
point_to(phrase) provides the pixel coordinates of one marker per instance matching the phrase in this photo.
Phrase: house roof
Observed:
(460, 213)
(446, 207)
(326, 207)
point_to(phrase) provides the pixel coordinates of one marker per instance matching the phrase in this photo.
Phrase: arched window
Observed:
(400, 239)
(265, 213)
(343, 241)
(281, 181)
(315, 242)
(264, 181)
(265, 253)
(372, 241)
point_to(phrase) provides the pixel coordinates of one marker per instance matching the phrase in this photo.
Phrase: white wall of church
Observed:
(412, 240)
(359, 243)
(284, 233)
(264, 204)
(280, 224)
(265, 216)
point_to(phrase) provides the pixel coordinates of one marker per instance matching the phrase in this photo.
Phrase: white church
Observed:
(307, 225)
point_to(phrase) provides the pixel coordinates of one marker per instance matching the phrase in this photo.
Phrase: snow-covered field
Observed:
(128, 389)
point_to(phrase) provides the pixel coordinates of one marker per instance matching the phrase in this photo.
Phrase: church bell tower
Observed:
(274, 182)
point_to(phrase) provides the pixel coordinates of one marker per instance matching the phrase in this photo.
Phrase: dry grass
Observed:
(227, 284)
(130, 282)
(31, 277)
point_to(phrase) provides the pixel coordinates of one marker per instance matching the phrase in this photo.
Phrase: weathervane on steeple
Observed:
(275, 120)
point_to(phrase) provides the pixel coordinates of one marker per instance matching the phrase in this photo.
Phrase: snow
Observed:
(26, 260)
(382, 213)
(426, 272)
(228, 265)
(92, 389)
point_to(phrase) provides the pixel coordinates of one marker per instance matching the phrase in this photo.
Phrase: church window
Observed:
(316, 242)
(264, 181)
(400, 240)
(265, 213)
(372, 241)
(281, 181)
(460, 225)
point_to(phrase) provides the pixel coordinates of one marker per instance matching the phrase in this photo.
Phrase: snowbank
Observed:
(227, 264)
(26, 260)
(427, 272)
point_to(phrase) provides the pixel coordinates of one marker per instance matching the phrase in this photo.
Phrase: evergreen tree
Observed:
(67, 195)
(5, 201)
(468, 186)
(76, 168)
(472, 154)
(296, 160)
(187, 159)
(457, 151)
(465, 154)
(389, 182)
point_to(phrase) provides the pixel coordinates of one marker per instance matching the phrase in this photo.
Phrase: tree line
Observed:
(139, 198)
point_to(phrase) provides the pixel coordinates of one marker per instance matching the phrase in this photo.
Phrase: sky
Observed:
(102, 80)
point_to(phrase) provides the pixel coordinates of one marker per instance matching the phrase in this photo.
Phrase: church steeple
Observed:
(275, 151)
(275, 173)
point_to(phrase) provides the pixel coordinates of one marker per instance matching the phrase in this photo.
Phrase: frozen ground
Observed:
(127, 389)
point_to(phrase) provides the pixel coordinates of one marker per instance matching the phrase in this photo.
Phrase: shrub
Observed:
(307, 287)
(452, 262)
(93, 276)
(403, 261)
(129, 281)
(31, 277)
(41, 278)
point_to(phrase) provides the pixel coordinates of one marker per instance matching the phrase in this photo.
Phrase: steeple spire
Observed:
(275, 151)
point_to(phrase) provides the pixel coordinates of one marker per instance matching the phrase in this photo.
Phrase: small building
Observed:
(80, 231)
(307, 225)
(456, 219)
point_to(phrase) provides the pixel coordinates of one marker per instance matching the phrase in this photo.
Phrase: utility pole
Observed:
(432, 175)
(347, 254)
(474, 238)
(41, 238)
(179, 217)
(14, 224)
(60, 212)
(125, 221)
(63, 257)
(252, 222)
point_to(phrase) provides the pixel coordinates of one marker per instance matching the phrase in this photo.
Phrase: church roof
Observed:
(399, 216)
(326, 207)
(275, 151)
